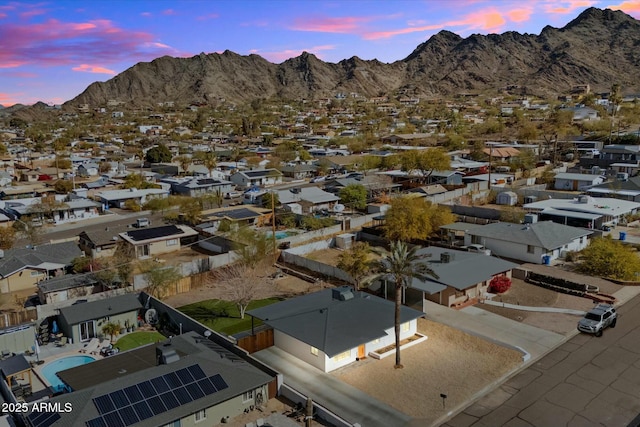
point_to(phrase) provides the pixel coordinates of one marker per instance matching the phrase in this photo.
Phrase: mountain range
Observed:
(599, 48)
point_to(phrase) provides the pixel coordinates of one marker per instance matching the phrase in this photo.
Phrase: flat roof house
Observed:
(150, 242)
(576, 181)
(185, 381)
(584, 211)
(335, 327)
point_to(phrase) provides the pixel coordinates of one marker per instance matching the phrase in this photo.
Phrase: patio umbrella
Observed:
(36, 349)
(54, 328)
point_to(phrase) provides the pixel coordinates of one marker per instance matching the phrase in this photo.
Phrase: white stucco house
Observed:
(335, 327)
(576, 181)
(529, 242)
(259, 178)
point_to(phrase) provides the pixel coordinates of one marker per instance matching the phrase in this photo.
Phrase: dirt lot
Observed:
(449, 361)
(286, 286)
(522, 293)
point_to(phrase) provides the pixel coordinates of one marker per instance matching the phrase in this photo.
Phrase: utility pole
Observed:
(273, 226)
(490, 161)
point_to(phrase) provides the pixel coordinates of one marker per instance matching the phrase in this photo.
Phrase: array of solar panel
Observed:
(149, 398)
(154, 233)
(43, 419)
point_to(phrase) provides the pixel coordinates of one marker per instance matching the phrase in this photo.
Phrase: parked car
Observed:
(232, 195)
(318, 179)
(142, 222)
(598, 319)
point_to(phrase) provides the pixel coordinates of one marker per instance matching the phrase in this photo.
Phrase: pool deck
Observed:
(49, 353)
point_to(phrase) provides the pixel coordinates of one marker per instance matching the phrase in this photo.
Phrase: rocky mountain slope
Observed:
(599, 48)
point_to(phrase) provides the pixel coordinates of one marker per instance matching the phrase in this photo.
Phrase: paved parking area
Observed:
(587, 381)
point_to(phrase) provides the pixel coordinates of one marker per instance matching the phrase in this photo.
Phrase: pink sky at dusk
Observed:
(51, 51)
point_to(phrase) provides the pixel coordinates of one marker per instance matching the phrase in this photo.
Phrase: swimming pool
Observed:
(50, 370)
(281, 234)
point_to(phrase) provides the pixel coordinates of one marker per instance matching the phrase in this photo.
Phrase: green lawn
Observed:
(138, 339)
(223, 316)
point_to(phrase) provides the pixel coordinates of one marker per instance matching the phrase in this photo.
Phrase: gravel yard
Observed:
(449, 361)
(523, 293)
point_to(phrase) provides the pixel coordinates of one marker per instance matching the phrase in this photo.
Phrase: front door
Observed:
(87, 330)
(361, 351)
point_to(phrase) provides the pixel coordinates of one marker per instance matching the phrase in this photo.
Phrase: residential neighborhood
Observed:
(155, 272)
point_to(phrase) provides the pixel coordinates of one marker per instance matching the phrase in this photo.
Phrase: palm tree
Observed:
(400, 265)
(111, 329)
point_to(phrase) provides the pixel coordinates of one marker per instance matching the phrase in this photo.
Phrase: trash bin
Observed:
(546, 259)
(623, 235)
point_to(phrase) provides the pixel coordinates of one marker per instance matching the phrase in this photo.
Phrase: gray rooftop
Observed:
(331, 325)
(69, 281)
(312, 195)
(239, 375)
(77, 313)
(545, 234)
(57, 253)
(465, 269)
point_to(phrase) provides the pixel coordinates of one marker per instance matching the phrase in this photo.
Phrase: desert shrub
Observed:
(499, 284)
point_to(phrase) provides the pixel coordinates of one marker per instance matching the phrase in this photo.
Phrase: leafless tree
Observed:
(241, 284)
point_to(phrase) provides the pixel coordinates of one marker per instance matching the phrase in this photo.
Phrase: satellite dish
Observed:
(338, 207)
(151, 316)
(207, 333)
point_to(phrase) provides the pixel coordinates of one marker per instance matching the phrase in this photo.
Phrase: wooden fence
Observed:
(261, 340)
(186, 284)
(18, 317)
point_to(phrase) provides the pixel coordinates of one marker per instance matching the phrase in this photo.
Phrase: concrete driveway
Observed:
(348, 402)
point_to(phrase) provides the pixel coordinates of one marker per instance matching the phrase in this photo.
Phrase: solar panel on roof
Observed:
(196, 372)
(184, 376)
(182, 395)
(119, 398)
(206, 386)
(160, 385)
(154, 233)
(195, 391)
(104, 404)
(113, 419)
(147, 389)
(156, 405)
(219, 382)
(170, 401)
(128, 415)
(142, 410)
(173, 380)
(133, 394)
(43, 419)
(96, 422)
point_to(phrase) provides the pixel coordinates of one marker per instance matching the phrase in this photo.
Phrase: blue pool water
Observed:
(279, 234)
(50, 369)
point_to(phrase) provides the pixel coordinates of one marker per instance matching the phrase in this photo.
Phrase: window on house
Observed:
(404, 327)
(342, 356)
(314, 351)
(582, 240)
(36, 273)
(201, 415)
(175, 423)
(172, 242)
(248, 396)
(531, 249)
(476, 240)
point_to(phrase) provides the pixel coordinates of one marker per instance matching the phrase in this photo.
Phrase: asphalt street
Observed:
(587, 381)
